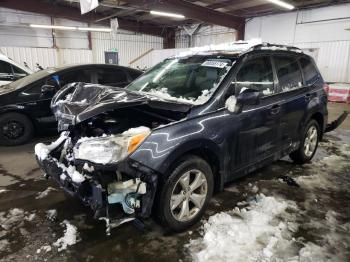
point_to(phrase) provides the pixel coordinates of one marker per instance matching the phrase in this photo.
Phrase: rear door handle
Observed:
(307, 97)
(275, 109)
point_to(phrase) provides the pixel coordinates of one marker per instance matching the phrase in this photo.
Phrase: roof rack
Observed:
(265, 46)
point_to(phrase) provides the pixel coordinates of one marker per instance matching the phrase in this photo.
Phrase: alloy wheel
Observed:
(310, 142)
(13, 129)
(188, 195)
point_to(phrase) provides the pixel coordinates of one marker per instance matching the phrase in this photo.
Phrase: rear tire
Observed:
(309, 144)
(186, 193)
(15, 129)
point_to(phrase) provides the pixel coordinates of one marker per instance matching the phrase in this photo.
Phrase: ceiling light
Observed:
(96, 29)
(166, 14)
(59, 27)
(73, 28)
(282, 4)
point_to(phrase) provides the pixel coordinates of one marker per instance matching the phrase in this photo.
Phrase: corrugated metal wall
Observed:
(129, 46)
(46, 57)
(332, 58)
(206, 35)
(323, 29)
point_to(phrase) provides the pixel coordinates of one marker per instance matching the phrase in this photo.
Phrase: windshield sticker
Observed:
(215, 63)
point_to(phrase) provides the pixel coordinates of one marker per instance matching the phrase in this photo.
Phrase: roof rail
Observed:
(265, 46)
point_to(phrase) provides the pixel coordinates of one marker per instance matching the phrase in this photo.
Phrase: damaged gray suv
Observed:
(186, 127)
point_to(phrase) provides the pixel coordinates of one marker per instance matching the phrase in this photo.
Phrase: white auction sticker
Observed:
(214, 63)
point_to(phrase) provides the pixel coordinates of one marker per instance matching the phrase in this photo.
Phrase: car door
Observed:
(258, 136)
(112, 76)
(294, 95)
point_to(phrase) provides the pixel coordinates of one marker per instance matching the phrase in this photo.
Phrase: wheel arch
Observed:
(207, 150)
(319, 118)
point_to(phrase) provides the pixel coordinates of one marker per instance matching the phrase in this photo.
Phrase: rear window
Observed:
(309, 70)
(288, 73)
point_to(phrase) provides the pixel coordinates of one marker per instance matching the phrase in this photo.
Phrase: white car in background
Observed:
(11, 71)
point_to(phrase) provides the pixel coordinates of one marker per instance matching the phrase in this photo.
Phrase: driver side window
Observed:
(256, 74)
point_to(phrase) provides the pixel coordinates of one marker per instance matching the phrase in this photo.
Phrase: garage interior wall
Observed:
(24, 44)
(324, 33)
(205, 35)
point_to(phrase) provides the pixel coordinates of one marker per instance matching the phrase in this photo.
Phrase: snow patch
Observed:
(3, 190)
(136, 131)
(45, 248)
(255, 233)
(45, 193)
(69, 238)
(51, 214)
(42, 151)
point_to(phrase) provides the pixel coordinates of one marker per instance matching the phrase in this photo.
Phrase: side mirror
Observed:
(48, 90)
(248, 97)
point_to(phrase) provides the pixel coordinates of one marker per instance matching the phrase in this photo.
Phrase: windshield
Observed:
(31, 78)
(189, 79)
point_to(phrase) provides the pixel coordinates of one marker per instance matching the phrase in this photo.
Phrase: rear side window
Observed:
(256, 74)
(111, 77)
(309, 70)
(288, 73)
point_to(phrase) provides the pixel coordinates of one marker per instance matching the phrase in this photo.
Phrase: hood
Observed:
(78, 102)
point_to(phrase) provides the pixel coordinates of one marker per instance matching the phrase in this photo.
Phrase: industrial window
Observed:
(256, 74)
(288, 73)
(309, 70)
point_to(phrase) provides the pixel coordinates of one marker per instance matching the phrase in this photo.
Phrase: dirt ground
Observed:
(321, 216)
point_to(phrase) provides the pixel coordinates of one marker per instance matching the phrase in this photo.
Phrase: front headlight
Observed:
(109, 149)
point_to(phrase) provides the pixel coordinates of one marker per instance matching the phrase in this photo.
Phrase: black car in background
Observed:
(25, 103)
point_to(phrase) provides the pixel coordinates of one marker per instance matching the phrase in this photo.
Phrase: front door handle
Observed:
(275, 109)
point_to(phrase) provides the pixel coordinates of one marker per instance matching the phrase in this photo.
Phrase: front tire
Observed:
(309, 144)
(15, 129)
(185, 195)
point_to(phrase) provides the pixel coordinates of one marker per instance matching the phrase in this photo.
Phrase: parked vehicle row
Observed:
(25, 103)
(184, 128)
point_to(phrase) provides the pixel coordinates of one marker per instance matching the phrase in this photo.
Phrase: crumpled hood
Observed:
(77, 102)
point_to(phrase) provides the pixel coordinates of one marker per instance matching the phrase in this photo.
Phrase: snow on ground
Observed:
(51, 214)
(257, 233)
(45, 193)
(3, 190)
(69, 238)
(269, 228)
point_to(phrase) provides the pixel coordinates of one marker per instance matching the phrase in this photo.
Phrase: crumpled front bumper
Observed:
(90, 194)
(95, 194)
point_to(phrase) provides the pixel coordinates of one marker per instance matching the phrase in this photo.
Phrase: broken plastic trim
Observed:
(127, 193)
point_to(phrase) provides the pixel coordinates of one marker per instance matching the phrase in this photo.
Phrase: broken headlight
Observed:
(108, 149)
